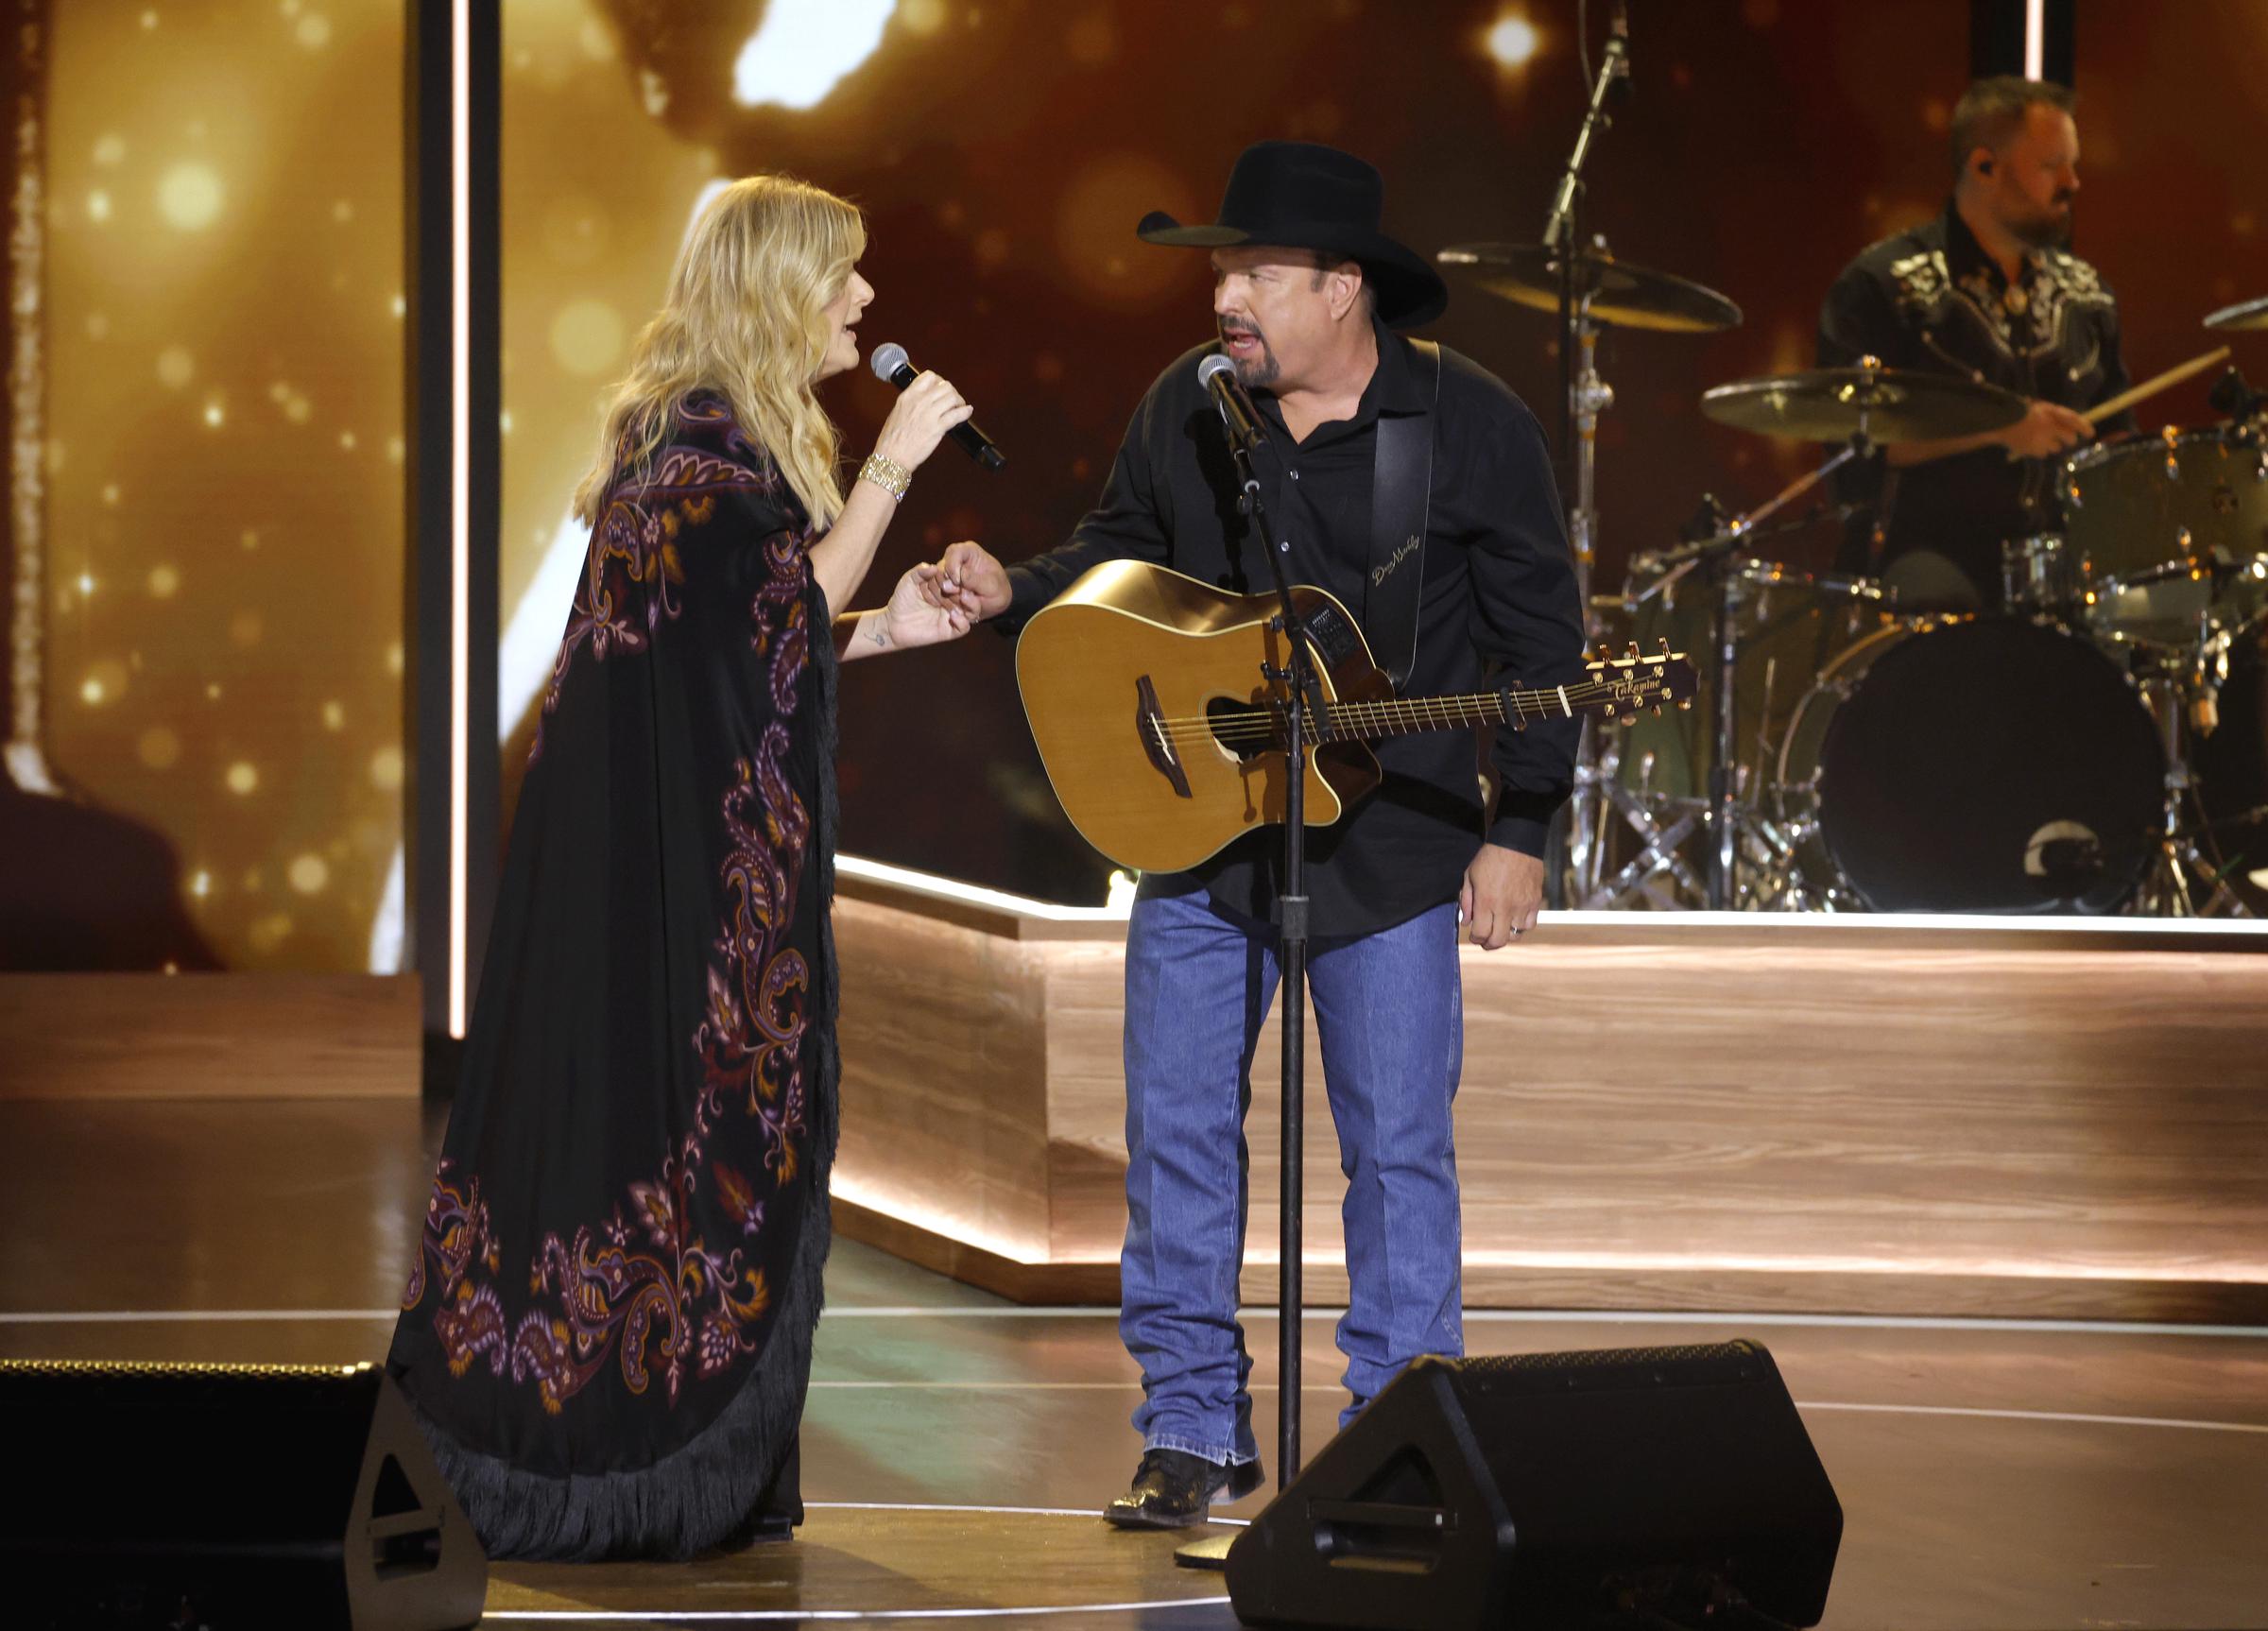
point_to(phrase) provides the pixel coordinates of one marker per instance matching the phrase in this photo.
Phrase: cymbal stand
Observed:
(1584, 396)
(1728, 814)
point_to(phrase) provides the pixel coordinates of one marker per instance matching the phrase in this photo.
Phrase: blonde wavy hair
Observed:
(745, 318)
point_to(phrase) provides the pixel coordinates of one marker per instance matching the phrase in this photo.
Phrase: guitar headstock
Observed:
(1622, 687)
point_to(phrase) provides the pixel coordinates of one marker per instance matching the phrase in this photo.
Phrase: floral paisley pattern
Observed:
(648, 1292)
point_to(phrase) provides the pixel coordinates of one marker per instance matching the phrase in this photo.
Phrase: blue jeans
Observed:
(1389, 1010)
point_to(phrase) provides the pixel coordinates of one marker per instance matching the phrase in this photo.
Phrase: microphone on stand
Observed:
(1618, 48)
(1218, 375)
(891, 366)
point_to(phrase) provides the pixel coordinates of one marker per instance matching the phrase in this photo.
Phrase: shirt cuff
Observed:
(1522, 833)
(1524, 819)
(1027, 594)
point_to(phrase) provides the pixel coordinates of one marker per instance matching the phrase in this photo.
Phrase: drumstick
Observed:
(2149, 387)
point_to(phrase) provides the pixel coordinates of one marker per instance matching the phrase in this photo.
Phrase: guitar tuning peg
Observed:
(1630, 719)
(1634, 651)
(1685, 705)
(1657, 711)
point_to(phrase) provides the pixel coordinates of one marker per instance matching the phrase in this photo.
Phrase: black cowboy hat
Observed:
(1303, 196)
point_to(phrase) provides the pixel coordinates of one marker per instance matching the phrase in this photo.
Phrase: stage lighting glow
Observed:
(1513, 42)
(190, 197)
(804, 49)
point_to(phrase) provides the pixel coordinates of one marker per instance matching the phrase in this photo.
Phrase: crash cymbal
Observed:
(1622, 295)
(2245, 315)
(1889, 405)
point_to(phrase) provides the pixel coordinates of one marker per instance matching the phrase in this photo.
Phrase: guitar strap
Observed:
(1401, 500)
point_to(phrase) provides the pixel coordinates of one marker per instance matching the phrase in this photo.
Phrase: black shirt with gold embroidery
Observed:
(1931, 298)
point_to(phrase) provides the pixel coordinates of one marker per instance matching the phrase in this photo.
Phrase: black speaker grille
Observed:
(1689, 1364)
(40, 1382)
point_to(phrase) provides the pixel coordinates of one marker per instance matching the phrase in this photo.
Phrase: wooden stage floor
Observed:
(2017, 1476)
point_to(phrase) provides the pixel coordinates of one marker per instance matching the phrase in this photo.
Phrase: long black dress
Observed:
(607, 1334)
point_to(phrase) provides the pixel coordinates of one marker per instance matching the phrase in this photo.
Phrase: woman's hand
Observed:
(910, 619)
(924, 412)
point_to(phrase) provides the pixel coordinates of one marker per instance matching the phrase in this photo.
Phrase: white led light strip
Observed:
(460, 497)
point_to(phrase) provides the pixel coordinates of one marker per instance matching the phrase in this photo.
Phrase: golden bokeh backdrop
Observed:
(222, 601)
(225, 518)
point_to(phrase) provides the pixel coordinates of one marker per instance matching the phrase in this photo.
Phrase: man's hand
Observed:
(2045, 431)
(1503, 891)
(969, 578)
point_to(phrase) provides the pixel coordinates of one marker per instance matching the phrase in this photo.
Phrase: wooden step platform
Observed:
(1940, 1115)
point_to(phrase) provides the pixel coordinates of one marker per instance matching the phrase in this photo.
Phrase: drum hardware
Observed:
(1660, 855)
(2242, 316)
(1590, 290)
(1886, 405)
(2179, 871)
(1863, 407)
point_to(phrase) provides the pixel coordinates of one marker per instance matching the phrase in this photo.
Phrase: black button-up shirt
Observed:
(1931, 298)
(1498, 588)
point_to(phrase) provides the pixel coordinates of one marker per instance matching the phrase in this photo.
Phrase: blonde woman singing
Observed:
(607, 1334)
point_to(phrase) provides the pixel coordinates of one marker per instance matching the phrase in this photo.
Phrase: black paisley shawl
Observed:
(607, 1334)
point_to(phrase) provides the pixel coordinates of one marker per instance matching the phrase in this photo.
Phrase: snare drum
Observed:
(1986, 765)
(2145, 519)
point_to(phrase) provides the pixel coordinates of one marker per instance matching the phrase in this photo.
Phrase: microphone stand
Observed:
(1304, 713)
(1582, 397)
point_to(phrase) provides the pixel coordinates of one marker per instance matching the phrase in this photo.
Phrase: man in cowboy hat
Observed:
(1416, 487)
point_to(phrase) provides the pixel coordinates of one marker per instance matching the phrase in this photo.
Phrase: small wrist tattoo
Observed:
(878, 628)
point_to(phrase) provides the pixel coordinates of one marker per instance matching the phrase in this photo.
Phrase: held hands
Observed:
(924, 411)
(912, 618)
(970, 579)
(2045, 431)
(1503, 891)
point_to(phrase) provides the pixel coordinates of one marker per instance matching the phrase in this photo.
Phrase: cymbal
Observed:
(1622, 295)
(2245, 315)
(1890, 404)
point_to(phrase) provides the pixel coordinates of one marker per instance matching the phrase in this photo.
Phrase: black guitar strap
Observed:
(1401, 502)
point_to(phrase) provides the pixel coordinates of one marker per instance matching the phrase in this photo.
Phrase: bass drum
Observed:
(1991, 765)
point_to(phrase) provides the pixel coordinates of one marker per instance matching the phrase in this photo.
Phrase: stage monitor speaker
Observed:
(1565, 1490)
(227, 1496)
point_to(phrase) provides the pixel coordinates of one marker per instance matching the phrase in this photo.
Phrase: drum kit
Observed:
(2098, 746)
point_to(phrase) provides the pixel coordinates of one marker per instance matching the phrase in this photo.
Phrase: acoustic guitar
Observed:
(1151, 699)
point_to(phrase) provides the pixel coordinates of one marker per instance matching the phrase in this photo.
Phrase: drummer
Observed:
(1986, 291)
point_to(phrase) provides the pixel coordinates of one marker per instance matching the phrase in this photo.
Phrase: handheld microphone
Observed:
(890, 366)
(1218, 376)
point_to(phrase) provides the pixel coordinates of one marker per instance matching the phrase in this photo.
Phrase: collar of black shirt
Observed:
(1965, 256)
(1392, 390)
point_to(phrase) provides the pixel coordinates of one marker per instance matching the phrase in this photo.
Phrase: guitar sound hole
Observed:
(1244, 731)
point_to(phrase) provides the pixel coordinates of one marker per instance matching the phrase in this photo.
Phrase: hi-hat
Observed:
(2245, 315)
(1889, 405)
(1620, 294)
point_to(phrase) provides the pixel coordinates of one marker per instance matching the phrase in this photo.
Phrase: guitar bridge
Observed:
(1157, 739)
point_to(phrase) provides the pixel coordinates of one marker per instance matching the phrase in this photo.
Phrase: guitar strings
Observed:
(1514, 707)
